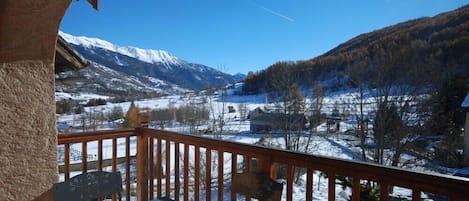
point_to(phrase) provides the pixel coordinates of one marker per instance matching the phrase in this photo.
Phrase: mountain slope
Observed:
(136, 69)
(426, 48)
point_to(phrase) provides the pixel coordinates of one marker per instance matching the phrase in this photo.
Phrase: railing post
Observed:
(142, 164)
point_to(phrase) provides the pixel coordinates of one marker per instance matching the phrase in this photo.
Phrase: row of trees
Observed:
(405, 106)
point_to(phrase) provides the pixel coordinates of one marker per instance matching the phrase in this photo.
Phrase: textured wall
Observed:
(28, 150)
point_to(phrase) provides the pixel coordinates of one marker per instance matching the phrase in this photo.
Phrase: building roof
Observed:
(66, 58)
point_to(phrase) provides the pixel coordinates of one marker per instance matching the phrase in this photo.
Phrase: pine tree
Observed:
(131, 118)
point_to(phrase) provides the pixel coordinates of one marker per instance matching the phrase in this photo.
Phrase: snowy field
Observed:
(338, 145)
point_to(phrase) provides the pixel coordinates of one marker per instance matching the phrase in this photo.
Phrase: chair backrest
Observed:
(89, 186)
(256, 185)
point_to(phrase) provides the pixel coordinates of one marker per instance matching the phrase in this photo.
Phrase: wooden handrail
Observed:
(67, 139)
(156, 148)
(447, 185)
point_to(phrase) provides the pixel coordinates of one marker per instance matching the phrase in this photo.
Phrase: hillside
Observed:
(427, 48)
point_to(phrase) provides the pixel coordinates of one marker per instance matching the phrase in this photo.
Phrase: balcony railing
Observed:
(184, 167)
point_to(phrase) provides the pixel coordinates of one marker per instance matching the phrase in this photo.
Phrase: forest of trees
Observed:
(417, 72)
(427, 46)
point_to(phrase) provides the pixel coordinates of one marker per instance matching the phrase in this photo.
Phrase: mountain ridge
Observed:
(137, 71)
(426, 47)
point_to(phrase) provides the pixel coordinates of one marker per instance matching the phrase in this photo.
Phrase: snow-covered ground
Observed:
(337, 145)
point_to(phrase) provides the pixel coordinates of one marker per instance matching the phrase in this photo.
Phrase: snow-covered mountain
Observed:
(147, 55)
(119, 69)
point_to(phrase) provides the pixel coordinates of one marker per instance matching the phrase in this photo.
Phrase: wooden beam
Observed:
(94, 3)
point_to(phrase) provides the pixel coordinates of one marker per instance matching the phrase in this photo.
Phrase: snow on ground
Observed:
(339, 146)
(79, 96)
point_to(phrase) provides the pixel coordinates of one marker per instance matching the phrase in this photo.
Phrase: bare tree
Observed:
(162, 117)
(242, 110)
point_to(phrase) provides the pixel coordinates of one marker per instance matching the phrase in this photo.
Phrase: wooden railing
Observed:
(86, 138)
(184, 167)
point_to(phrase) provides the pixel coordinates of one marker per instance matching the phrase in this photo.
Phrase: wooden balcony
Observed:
(176, 166)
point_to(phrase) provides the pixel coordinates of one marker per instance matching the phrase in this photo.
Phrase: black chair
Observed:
(256, 185)
(89, 186)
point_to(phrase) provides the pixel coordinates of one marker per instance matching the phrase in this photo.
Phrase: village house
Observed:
(261, 121)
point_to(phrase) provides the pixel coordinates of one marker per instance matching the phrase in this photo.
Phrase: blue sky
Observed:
(242, 35)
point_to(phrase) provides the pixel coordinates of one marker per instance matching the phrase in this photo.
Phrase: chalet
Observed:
(333, 124)
(261, 121)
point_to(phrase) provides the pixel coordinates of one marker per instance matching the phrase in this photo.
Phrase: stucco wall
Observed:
(28, 135)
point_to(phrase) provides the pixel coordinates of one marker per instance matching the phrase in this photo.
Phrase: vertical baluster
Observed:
(127, 167)
(159, 171)
(151, 167)
(220, 174)
(289, 182)
(331, 188)
(234, 170)
(142, 164)
(100, 155)
(84, 157)
(248, 169)
(208, 173)
(176, 171)
(384, 191)
(197, 173)
(114, 154)
(186, 172)
(114, 161)
(416, 195)
(67, 162)
(168, 168)
(356, 189)
(309, 185)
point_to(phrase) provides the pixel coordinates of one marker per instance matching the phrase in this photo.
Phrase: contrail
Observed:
(273, 12)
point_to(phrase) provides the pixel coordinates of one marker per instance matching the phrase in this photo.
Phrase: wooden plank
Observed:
(356, 189)
(100, 155)
(114, 162)
(234, 170)
(289, 182)
(67, 162)
(196, 173)
(127, 167)
(84, 157)
(384, 190)
(151, 167)
(176, 171)
(208, 174)
(248, 160)
(331, 185)
(309, 185)
(69, 138)
(416, 195)
(159, 171)
(186, 172)
(168, 169)
(220, 174)
(114, 154)
(142, 171)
